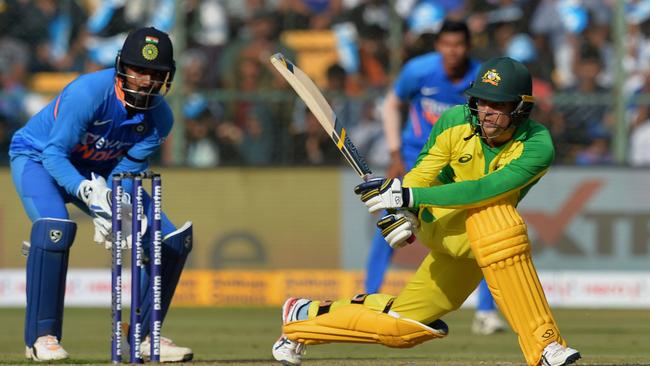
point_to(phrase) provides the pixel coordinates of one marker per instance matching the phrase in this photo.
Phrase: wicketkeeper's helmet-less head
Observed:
(502, 79)
(148, 51)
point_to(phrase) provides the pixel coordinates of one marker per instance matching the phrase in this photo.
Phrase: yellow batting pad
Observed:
(500, 243)
(359, 324)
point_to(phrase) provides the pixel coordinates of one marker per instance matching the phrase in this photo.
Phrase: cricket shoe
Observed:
(169, 352)
(286, 351)
(556, 354)
(46, 348)
(487, 322)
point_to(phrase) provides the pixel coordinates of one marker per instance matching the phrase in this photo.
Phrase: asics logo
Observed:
(465, 158)
(283, 341)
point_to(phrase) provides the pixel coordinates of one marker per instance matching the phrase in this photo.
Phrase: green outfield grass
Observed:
(243, 336)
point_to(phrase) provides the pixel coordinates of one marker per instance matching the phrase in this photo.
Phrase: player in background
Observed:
(430, 84)
(102, 123)
(460, 200)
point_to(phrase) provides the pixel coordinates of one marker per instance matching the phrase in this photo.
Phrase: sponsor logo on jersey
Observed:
(102, 142)
(432, 109)
(96, 147)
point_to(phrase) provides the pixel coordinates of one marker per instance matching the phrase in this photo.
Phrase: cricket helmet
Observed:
(503, 79)
(146, 49)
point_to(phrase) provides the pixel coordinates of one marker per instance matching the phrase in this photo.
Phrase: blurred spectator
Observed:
(111, 21)
(639, 154)
(14, 61)
(202, 151)
(423, 23)
(194, 68)
(348, 110)
(368, 137)
(521, 47)
(313, 146)
(208, 31)
(637, 45)
(596, 153)
(258, 41)
(5, 139)
(55, 32)
(639, 142)
(248, 123)
(561, 21)
(587, 121)
(370, 15)
(308, 14)
(492, 23)
(374, 58)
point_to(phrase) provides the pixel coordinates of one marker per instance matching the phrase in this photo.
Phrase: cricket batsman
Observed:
(460, 200)
(102, 123)
(430, 84)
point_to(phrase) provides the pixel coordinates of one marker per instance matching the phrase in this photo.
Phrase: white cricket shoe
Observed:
(556, 354)
(286, 351)
(169, 352)
(487, 322)
(46, 348)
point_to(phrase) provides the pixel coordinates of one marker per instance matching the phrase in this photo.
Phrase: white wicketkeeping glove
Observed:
(399, 228)
(96, 195)
(103, 229)
(388, 195)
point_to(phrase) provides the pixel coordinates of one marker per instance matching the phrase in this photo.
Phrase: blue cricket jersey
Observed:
(88, 129)
(424, 83)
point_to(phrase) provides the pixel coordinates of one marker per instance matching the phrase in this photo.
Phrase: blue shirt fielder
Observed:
(105, 122)
(425, 83)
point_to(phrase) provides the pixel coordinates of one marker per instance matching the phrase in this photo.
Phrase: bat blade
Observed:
(318, 105)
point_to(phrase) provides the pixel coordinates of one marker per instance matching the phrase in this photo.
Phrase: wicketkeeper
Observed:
(105, 122)
(460, 200)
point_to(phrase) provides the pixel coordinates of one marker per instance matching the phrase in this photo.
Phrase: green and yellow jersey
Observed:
(458, 170)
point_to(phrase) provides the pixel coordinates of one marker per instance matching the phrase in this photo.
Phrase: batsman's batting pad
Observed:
(359, 324)
(47, 267)
(499, 240)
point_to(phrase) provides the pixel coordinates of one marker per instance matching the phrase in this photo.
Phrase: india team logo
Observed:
(150, 49)
(491, 77)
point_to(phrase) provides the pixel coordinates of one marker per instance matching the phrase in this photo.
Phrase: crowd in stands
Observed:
(238, 111)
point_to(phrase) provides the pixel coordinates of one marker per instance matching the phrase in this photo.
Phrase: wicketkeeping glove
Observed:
(103, 229)
(384, 194)
(399, 228)
(96, 195)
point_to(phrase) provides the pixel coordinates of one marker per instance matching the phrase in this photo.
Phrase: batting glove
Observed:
(384, 194)
(399, 228)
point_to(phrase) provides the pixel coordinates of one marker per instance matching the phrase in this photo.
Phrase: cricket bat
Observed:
(315, 101)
